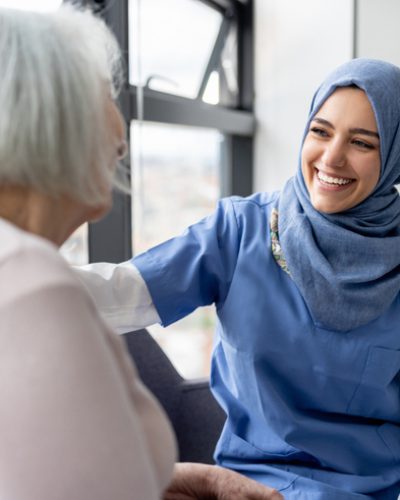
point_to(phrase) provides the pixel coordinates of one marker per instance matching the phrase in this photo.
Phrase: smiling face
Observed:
(340, 156)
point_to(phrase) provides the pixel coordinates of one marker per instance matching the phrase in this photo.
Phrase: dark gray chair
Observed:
(195, 415)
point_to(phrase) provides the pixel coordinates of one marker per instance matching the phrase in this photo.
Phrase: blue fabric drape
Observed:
(347, 265)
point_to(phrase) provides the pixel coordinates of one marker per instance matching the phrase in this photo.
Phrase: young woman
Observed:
(306, 287)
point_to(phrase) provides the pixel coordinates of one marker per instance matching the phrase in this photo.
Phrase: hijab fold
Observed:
(347, 265)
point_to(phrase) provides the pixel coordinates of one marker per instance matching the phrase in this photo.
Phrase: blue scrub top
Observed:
(311, 412)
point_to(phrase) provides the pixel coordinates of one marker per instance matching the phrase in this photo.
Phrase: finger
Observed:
(253, 492)
(275, 495)
(178, 495)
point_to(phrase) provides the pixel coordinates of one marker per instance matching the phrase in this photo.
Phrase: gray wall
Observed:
(297, 44)
(378, 30)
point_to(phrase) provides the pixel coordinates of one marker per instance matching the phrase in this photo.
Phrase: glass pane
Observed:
(211, 93)
(229, 85)
(175, 173)
(76, 248)
(176, 183)
(171, 43)
(36, 5)
(222, 86)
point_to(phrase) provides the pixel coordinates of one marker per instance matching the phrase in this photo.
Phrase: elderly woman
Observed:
(306, 285)
(76, 422)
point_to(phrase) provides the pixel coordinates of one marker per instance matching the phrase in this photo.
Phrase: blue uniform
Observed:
(311, 412)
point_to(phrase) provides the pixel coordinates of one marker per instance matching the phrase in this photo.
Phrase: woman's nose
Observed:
(334, 154)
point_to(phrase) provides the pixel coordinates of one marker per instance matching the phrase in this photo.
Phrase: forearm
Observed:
(189, 478)
(120, 294)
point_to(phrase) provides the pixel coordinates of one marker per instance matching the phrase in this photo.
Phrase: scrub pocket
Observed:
(378, 385)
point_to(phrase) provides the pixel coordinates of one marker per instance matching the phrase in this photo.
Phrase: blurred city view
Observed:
(175, 185)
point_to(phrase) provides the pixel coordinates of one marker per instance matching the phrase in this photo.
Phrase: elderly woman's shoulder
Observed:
(29, 263)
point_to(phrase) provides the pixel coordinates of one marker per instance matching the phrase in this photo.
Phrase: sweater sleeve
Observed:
(76, 422)
(120, 294)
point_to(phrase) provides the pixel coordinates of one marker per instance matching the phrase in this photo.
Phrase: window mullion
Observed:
(216, 54)
(167, 108)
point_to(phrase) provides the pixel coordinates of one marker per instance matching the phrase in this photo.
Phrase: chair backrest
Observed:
(194, 413)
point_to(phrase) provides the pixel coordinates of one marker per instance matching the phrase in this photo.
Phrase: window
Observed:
(168, 161)
(188, 100)
(175, 179)
(171, 57)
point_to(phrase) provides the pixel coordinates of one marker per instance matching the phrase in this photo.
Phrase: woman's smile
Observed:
(341, 152)
(332, 182)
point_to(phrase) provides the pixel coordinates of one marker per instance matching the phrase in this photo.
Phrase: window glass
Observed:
(222, 85)
(211, 93)
(171, 44)
(175, 172)
(228, 69)
(36, 5)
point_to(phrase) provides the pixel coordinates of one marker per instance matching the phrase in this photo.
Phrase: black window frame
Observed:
(110, 240)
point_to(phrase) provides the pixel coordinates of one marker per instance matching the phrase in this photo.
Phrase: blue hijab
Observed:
(347, 265)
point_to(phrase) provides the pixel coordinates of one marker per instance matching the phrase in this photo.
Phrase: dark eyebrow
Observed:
(352, 130)
(364, 132)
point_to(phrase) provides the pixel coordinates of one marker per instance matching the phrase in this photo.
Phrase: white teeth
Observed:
(332, 180)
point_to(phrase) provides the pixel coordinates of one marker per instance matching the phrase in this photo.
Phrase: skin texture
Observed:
(209, 482)
(336, 147)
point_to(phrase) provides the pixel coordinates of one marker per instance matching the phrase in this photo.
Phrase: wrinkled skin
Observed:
(209, 482)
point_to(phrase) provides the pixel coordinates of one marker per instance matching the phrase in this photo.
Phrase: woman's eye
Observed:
(362, 144)
(319, 131)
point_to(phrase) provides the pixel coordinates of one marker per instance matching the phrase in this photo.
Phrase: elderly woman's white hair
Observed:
(56, 69)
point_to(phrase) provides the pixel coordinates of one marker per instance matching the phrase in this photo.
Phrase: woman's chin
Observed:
(94, 213)
(98, 212)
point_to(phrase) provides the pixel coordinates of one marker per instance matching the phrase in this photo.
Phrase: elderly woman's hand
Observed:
(210, 482)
